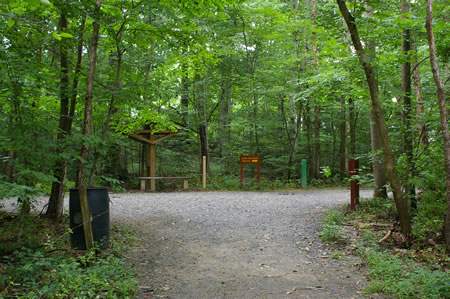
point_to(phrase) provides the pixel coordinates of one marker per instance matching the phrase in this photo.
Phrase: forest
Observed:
(319, 80)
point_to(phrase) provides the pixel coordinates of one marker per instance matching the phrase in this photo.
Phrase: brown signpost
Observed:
(254, 159)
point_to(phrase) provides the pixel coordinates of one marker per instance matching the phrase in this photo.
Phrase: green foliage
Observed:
(331, 229)
(40, 265)
(403, 278)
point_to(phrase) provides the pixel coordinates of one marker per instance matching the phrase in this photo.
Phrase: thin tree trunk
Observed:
(112, 109)
(379, 173)
(56, 201)
(352, 124)
(342, 141)
(421, 129)
(443, 112)
(406, 112)
(389, 163)
(89, 96)
(316, 107)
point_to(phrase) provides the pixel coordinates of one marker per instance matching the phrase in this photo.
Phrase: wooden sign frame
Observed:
(250, 159)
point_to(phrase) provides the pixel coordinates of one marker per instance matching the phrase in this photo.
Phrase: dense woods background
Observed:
(278, 78)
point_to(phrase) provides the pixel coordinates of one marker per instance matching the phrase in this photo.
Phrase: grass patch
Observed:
(41, 264)
(417, 272)
(331, 229)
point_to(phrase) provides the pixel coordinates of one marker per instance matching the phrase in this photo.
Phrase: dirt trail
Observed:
(236, 245)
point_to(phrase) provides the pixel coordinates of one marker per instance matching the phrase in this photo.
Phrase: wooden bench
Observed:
(152, 179)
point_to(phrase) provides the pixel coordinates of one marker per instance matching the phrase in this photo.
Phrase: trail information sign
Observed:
(254, 159)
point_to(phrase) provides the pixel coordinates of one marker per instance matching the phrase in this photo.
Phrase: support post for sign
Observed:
(353, 168)
(304, 174)
(258, 176)
(242, 174)
(255, 159)
(204, 172)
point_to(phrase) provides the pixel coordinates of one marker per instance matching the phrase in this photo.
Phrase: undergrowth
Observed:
(417, 272)
(40, 264)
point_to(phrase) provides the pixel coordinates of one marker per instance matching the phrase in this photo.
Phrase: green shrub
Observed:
(331, 229)
(40, 265)
(402, 278)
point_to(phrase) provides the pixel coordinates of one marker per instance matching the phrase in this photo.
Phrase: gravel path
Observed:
(236, 245)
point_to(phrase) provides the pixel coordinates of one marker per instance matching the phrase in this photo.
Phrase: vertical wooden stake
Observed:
(357, 182)
(204, 172)
(152, 160)
(86, 215)
(242, 175)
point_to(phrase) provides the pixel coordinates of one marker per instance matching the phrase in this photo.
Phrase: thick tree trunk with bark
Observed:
(389, 163)
(379, 176)
(89, 95)
(443, 111)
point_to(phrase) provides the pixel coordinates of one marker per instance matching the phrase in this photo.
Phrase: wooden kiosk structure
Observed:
(152, 138)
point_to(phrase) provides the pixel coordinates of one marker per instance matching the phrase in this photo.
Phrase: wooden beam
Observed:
(140, 138)
(165, 137)
(153, 132)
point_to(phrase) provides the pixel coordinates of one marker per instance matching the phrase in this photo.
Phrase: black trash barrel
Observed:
(98, 201)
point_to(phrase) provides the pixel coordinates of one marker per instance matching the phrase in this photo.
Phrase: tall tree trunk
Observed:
(389, 163)
(421, 129)
(379, 173)
(352, 124)
(309, 139)
(443, 111)
(89, 96)
(379, 176)
(56, 201)
(117, 168)
(342, 141)
(316, 107)
(406, 112)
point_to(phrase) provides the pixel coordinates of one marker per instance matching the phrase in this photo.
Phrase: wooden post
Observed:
(242, 174)
(86, 215)
(258, 177)
(152, 160)
(204, 172)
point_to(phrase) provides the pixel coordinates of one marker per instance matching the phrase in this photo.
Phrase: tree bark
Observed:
(342, 142)
(406, 112)
(316, 107)
(389, 163)
(56, 201)
(352, 123)
(421, 129)
(89, 95)
(443, 112)
(379, 176)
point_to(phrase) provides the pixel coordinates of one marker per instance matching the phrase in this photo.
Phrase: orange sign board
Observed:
(251, 159)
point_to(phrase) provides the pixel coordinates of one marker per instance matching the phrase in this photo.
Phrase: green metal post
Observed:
(304, 175)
